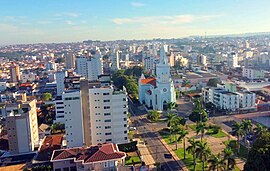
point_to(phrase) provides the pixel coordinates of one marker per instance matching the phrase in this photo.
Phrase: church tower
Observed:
(165, 92)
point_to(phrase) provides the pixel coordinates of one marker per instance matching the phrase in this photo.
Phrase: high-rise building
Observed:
(14, 73)
(60, 78)
(116, 60)
(233, 60)
(51, 66)
(201, 60)
(90, 67)
(22, 127)
(70, 60)
(95, 114)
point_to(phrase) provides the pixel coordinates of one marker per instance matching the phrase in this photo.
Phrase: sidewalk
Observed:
(145, 154)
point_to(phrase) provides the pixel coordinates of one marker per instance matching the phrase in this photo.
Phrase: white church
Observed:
(158, 92)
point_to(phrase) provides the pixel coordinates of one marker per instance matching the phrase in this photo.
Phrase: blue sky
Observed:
(32, 21)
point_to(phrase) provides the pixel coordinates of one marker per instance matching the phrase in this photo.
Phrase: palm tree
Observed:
(171, 121)
(238, 130)
(171, 105)
(153, 115)
(216, 163)
(247, 126)
(202, 152)
(228, 157)
(192, 150)
(259, 129)
(182, 134)
(200, 128)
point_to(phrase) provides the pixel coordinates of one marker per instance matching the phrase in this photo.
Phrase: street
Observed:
(148, 131)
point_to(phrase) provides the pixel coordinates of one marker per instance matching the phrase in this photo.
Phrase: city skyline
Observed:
(70, 21)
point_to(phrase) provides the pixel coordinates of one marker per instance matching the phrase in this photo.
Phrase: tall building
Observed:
(60, 78)
(116, 61)
(14, 73)
(233, 60)
(51, 66)
(95, 114)
(22, 127)
(90, 67)
(70, 60)
(201, 60)
(157, 92)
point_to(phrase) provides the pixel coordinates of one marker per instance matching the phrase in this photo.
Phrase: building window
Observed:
(106, 100)
(108, 133)
(125, 138)
(107, 127)
(125, 132)
(107, 114)
(107, 107)
(66, 169)
(107, 120)
(125, 119)
(125, 125)
(57, 169)
(106, 94)
(108, 139)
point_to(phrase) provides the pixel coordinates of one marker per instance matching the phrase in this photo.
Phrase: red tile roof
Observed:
(90, 154)
(151, 81)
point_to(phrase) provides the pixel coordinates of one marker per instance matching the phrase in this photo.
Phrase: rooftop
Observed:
(150, 80)
(90, 154)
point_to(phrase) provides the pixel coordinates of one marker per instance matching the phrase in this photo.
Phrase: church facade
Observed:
(157, 92)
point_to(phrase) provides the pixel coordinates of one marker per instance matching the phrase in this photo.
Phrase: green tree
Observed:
(259, 155)
(212, 82)
(171, 105)
(132, 89)
(46, 96)
(153, 115)
(238, 130)
(177, 93)
(171, 120)
(247, 127)
(216, 163)
(228, 157)
(182, 136)
(202, 152)
(192, 150)
(259, 130)
(200, 128)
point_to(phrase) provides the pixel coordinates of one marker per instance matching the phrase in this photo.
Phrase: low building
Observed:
(102, 157)
(253, 74)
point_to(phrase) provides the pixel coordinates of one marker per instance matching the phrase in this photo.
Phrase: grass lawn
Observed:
(220, 133)
(193, 127)
(135, 159)
(189, 160)
(167, 137)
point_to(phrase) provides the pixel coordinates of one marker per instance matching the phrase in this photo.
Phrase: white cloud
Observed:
(70, 22)
(44, 22)
(8, 28)
(176, 19)
(137, 4)
(68, 14)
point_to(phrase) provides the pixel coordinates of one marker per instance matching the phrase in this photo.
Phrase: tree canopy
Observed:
(46, 96)
(212, 82)
(259, 155)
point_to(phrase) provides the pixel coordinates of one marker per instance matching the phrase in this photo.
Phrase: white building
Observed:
(51, 66)
(149, 64)
(22, 127)
(201, 60)
(229, 101)
(253, 73)
(59, 110)
(60, 78)
(90, 67)
(233, 60)
(28, 77)
(70, 60)
(73, 119)
(103, 117)
(116, 60)
(158, 92)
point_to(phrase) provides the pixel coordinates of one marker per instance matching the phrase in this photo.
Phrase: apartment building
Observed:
(105, 157)
(90, 66)
(229, 101)
(253, 74)
(22, 127)
(60, 78)
(95, 114)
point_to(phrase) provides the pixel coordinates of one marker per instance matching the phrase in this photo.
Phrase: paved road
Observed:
(148, 132)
